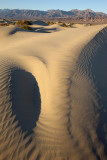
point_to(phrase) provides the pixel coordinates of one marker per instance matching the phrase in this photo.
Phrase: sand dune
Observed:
(53, 94)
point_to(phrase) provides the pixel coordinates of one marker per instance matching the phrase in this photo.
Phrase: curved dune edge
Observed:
(72, 85)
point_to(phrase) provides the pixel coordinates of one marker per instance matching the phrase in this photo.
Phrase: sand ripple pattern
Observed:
(53, 95)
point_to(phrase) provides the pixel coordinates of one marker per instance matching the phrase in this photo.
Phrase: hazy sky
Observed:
(96, 5)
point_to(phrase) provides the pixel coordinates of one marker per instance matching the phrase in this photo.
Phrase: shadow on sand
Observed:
(99, 70)
(26, 101)
(34, 30)
(97, 65)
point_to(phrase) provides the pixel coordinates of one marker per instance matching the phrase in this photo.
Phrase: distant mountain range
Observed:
(37, 14)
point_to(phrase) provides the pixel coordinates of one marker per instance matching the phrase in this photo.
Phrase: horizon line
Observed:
(51, 9)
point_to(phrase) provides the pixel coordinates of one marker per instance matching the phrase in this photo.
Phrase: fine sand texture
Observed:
(53, 93)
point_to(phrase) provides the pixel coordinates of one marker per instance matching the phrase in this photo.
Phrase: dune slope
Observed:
(53, 94)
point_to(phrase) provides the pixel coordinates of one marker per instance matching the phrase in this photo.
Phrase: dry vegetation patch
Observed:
(23, 22)
(4, 24)
(26, 27)
(50, 22)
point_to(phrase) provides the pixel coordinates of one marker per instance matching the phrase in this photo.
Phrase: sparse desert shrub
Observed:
(26, 27)
(50, 22)
(4, 24)
(64, 24)
(23, 22)
(91, 24)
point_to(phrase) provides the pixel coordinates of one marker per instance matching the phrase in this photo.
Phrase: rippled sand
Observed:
(53, 93)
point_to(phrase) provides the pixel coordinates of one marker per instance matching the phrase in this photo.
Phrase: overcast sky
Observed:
(96, 5)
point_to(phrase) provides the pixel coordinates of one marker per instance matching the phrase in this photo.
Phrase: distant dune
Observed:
(53, 93)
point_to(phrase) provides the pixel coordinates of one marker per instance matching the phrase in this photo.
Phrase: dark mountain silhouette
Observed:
(32, 14)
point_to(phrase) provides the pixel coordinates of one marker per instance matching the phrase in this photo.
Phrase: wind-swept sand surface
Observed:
(53, 94)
